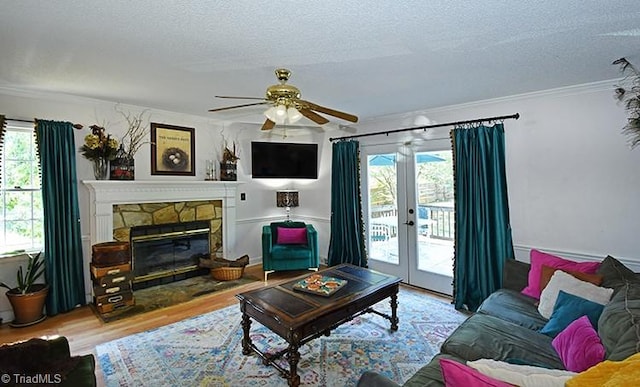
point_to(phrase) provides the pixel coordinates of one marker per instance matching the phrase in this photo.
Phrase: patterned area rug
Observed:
(207, 350)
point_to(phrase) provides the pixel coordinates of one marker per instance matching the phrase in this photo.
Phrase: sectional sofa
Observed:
(507, 328)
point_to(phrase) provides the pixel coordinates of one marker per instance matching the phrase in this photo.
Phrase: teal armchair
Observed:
(295, 248)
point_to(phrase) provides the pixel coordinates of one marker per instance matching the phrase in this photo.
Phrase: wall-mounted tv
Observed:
(284, 160)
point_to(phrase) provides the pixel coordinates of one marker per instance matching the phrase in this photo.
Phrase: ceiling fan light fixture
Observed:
(280, 120)
(285, 105)
(293, 115)
(281, 111)
(271, 113)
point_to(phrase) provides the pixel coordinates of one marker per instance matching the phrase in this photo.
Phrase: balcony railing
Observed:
(442, 222)
(435, 221)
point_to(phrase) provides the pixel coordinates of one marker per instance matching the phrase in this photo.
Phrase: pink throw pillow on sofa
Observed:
(538, 258)
(291, 236)
(459, 375)
(579, 346)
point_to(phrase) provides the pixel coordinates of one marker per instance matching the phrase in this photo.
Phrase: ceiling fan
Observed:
(286, 105)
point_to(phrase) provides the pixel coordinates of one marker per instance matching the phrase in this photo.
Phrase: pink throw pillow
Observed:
(538, 258)
(579, 346)
(459, 375)
(291, 236)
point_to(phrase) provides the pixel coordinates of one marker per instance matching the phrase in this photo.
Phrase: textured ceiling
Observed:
(369, 58)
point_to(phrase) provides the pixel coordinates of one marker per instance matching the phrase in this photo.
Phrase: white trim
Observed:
(103, 194)
(560, 91)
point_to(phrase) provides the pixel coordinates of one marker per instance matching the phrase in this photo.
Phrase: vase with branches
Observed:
(123, 167)
(629, 94)
(137, 131)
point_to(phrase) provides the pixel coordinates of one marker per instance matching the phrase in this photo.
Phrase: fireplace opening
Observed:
(166, 253)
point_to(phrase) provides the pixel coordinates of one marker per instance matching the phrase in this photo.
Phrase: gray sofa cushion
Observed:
(515, 274)
(487, 337)
(431, 374)
(619, 323)
(427, 376)
(515, 307)
(374, 379)
(615, 274)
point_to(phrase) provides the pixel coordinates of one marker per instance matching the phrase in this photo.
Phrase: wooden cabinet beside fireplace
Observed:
(111, 276)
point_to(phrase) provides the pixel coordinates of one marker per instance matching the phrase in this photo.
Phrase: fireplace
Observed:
(169, 252)
(190, 201)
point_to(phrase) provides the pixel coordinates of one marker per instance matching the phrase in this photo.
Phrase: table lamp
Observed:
(287, 199)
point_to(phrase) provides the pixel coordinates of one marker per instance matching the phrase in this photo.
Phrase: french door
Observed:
(410, 213)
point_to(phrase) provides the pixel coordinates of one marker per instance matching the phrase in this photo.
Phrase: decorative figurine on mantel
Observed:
(228, 165)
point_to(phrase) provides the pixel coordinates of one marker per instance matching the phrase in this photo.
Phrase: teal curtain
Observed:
(2, 131)
(482, 229)
(62, 239)
(346, 244)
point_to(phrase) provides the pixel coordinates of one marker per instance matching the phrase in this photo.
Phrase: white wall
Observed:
(259, 207)
(573, 181)
(574, 184)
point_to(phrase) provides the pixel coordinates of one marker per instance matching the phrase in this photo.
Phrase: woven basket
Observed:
(227, 273)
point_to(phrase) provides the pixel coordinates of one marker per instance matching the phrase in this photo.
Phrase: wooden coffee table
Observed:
(299, 317)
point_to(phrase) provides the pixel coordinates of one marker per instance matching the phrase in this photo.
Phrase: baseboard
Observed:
(522, 254)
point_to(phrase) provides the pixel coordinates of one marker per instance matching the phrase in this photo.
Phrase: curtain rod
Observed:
(387, 132)
(77, 126)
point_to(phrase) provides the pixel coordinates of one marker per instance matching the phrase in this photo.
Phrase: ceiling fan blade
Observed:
(231, 97)
(318, 119)
(268, 125)
(331, 112)
(238, 106)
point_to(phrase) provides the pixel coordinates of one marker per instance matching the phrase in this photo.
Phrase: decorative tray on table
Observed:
(319, 284)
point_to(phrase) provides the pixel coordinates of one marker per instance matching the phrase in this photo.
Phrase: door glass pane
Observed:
(383, 207)
(434, 193)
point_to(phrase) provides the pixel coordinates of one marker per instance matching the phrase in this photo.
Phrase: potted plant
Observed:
(28, 297)
(629, 94)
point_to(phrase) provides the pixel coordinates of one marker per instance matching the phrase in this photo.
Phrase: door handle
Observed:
(409, 223)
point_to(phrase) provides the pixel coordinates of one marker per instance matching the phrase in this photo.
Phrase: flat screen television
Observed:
(284, 160)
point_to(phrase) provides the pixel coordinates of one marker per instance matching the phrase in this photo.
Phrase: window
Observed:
(21, 216)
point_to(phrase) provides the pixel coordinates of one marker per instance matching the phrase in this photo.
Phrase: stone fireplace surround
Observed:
(104, 194)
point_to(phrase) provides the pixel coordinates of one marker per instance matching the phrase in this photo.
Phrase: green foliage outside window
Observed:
(21, 219)
(435, 182)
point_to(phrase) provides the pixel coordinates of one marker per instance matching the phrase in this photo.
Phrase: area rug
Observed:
(207, 351)
(162, 296)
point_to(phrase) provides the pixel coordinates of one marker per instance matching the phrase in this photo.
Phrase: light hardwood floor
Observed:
(85, 330)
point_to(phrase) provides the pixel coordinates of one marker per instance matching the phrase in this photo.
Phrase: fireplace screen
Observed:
(168, 251)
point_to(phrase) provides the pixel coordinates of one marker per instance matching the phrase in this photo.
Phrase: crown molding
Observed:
(585, 88)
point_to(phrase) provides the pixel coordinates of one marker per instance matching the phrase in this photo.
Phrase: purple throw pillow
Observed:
(291, 236)
(538, 259)
(579, 346)
(459, 375)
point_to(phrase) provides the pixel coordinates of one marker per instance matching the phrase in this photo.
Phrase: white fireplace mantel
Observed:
(103, 194)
